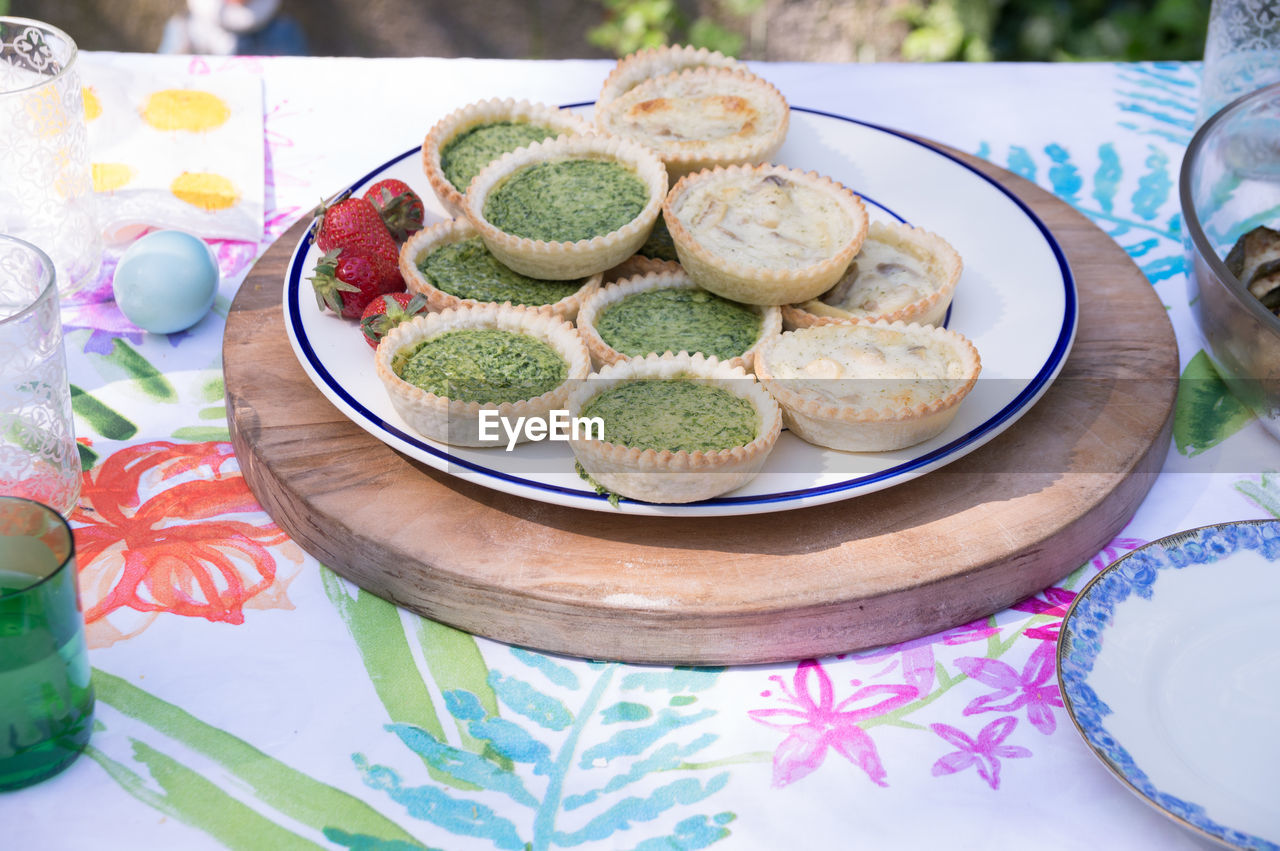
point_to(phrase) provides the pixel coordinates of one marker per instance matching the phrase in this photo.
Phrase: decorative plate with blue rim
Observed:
(1169, 663)
(1016, 301)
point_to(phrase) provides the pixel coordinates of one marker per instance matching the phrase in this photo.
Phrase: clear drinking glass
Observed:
(46, 696)
(38, 455)
(46, 186)
(1241, 51)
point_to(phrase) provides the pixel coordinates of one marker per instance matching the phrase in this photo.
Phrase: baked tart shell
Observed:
(757, 284)
(942, 265)
(430, 238)
(764, 127)
(455, 421)
(675, 477)
(635, 68)
(864, 428)
(562, 121)
(586, 257)
(600, 300)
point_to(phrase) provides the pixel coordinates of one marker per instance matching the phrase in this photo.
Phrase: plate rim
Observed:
(971, 440)
(1069, 676)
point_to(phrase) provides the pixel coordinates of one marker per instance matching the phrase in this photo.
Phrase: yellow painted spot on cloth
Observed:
(185, 109)
(92, 106)
(204, 190)
(108, 177)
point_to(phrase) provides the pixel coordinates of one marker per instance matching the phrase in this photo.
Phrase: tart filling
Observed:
(450, 265)
(656, 62)
(466, 140)
(442, 369)
(665, 311)
(764, 235)
(566, 200)
(901, 273)
(568, 207)
(700, 118)
(868, 387)
(677, 428)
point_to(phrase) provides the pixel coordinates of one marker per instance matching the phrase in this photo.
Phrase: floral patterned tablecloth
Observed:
(250, 698)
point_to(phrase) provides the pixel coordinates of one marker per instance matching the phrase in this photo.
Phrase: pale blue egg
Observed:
(166, 281)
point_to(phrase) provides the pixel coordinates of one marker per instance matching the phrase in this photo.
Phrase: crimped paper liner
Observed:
(666, 476)
(586, 257)
(773, 119)
(638, 264)
(429, 239)
(487, 112)
(655, 62)
(602, 353)
(942, 264)
(860, 428)
(754, 284)
(455, 421)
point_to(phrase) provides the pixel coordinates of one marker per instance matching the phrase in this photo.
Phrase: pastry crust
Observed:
(430, 238)
(638, 264)
(567, 260)
(824, 225)
(650, 62)
(924, 300)
(489, 111)
(455, 421)
(600, 300)
(666, 476)
(857, 387)
(701, 118)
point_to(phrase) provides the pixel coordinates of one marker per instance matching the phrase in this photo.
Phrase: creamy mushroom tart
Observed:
(701, 118)
(569, 207)
(676, 428)
(764, 234)
(466, 140)
(651, 62)
(442, 369)
(902, 273)
(449, 264)
(868, 387)
(667, 312)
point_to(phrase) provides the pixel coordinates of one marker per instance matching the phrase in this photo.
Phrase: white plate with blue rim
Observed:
(1016, 301)
(1169, 664)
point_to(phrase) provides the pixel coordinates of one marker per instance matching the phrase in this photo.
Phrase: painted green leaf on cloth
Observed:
(148, 378)
(1206, 413)
(199, 802)
(1265, 492)
(100, 417)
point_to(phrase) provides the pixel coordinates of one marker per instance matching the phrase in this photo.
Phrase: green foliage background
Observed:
(947, 30)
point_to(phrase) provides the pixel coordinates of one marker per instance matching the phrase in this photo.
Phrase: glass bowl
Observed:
(1229, 184)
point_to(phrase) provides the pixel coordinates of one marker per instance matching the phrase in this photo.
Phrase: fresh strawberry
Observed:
(346, 280)
(398, 205)
(352, 224)
(386, 312)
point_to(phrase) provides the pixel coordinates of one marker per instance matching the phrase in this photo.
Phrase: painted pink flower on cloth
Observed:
(985, 752)
(916, 656)
(1055, 604)
(818, 724)
(1030, 688)
(1115, 549)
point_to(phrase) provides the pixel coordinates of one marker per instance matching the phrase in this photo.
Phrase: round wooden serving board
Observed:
(941, 550)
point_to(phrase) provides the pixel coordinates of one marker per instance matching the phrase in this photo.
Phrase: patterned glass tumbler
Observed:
(38, 455)
(46, 695)
(1241, 52)
(46, 186)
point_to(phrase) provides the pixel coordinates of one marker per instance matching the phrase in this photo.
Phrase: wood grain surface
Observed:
(941, 550)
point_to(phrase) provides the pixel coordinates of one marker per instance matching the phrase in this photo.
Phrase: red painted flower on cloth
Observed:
(1030, 687)
(819, 723)
(168, 527)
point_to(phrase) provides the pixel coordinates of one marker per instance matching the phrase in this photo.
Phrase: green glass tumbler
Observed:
(46, 697)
